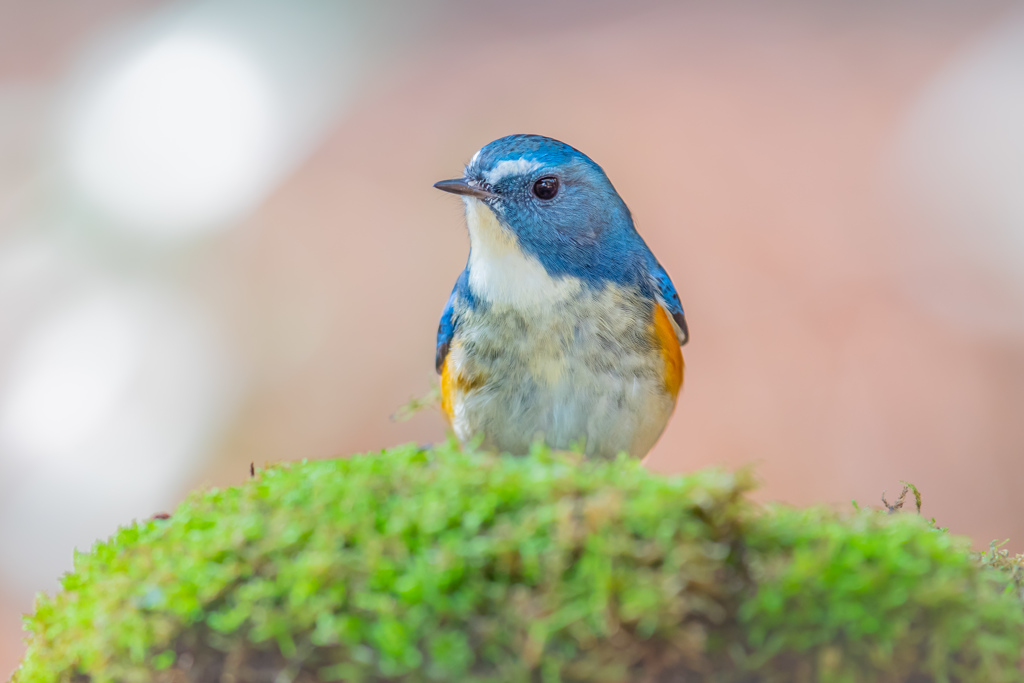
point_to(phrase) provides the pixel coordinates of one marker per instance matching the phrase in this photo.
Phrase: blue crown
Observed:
(547, 151)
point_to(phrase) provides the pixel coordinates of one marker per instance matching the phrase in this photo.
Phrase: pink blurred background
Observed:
(219, 243)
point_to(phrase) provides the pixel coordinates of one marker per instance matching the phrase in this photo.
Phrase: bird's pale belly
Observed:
(593, 372)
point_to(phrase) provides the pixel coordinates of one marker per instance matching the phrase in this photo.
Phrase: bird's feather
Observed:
(450, 320)
(669, 298)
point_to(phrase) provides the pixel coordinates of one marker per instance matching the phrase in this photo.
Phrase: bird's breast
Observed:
(592, 336)
(594, 367)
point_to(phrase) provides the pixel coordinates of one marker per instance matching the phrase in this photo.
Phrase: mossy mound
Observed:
(443, 565)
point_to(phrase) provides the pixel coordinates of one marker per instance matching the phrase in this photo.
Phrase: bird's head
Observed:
(557, 203)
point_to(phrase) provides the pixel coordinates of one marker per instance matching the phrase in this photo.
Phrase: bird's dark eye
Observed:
(546, 187)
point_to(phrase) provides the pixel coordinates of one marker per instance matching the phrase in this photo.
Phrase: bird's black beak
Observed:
(461, 186)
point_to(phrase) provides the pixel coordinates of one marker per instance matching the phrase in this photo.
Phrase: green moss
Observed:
(443, 565)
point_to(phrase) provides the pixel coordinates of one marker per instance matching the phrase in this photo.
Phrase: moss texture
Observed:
(445, 565)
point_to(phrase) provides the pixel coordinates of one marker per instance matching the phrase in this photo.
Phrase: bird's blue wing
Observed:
(449, 321)
(445, 332)
(669, 298)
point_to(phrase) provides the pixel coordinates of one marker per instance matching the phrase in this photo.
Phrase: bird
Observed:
(563, 327)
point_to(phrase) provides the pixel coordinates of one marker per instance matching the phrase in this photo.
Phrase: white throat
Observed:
(501, 272)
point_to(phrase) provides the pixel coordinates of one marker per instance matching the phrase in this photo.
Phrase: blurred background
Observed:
(219, 243)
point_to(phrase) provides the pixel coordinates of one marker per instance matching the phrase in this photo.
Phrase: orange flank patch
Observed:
(446, 388)
(453, 383)
(665, 334)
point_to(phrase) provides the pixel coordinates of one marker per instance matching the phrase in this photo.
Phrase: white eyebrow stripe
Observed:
(504, 169)
(475, 157)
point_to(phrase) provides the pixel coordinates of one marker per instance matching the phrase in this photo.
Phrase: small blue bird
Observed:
(563, 326)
